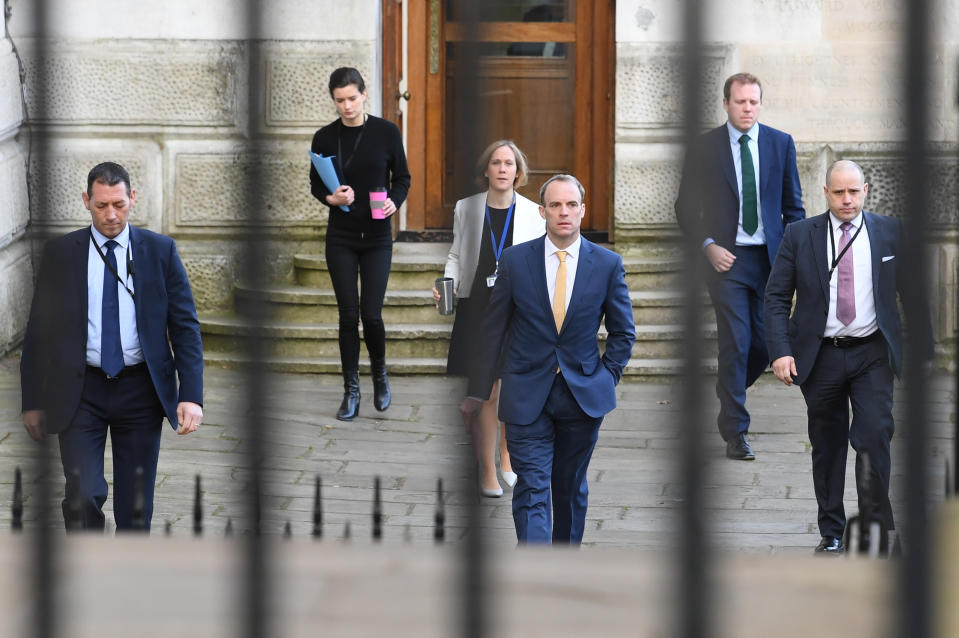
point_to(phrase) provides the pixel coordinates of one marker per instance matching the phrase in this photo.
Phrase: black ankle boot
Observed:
(381, 385)
(351, 396)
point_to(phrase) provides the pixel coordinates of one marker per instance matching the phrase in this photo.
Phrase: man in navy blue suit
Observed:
(843, 342)
(749, 191)
(112, 326)
(550, 296)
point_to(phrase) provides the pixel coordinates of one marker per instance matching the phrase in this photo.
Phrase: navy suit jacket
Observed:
(520, 315)
(53, 364)
(713, 210)
(802, 266)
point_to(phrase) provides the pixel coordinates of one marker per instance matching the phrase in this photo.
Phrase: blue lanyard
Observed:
(498, 247)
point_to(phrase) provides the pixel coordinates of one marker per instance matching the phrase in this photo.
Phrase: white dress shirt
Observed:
(129, 338)
(742, 238)
(552, 265)
(865, 322)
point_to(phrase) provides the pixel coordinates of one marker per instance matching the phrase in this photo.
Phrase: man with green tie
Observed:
(748, 192)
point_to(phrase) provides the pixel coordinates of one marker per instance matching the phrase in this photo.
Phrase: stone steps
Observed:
(417, 269)
(302, 331)
(314, 304)
(289, 339)
(647, 369)
(317, 304)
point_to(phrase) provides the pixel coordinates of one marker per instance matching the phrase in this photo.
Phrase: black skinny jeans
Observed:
(345, 257)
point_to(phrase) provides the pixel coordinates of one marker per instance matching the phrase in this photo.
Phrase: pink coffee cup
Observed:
(377, 201)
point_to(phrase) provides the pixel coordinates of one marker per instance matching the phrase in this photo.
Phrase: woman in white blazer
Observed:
(483, 226)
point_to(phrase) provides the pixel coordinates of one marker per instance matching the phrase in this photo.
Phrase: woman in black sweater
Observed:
(369, 155)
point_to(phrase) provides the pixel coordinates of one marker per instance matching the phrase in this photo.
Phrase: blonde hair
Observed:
(522, 165)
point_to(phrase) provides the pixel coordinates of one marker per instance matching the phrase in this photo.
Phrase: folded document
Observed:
(324, 166)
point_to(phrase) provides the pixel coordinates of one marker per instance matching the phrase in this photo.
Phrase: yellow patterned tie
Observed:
(559, 293)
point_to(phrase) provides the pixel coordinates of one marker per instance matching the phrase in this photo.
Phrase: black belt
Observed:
(125, 372)
(849, 342)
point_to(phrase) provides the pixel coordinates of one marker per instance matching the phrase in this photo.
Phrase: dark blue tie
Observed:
(111, 352)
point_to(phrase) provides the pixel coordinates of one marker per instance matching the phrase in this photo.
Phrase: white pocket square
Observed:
(888, 258)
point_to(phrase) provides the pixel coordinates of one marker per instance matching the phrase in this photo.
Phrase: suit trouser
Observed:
(737, 297)
(858, 375)
(129, 408)
(550, 457)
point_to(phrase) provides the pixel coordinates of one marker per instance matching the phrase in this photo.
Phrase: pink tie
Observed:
(845, 286)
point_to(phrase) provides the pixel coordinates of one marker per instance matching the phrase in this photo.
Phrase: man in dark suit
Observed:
(749, 190)
(550, 296)
(110, 301)
(843, 342)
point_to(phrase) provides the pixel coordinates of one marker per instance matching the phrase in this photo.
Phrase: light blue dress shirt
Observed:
(129, 338)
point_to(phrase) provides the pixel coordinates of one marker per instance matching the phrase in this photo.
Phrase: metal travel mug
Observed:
(445, 286)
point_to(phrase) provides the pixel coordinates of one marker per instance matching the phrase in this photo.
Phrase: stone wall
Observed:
(16, 274)
(831, 77)
(167, 95)
(164, 88)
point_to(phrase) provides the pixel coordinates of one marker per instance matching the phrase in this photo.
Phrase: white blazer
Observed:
(468, 219)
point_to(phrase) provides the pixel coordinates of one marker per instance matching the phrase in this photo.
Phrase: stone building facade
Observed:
(832, 78)
(165, 88)
(16, 273)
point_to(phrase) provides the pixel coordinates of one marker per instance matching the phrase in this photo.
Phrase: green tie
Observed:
(750, 218)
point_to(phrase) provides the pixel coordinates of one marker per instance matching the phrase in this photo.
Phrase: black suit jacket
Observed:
(54, 348)
(714, 208)
(802, 266)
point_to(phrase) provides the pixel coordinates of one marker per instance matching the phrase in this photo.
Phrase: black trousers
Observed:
(347, 257)
(859, 376)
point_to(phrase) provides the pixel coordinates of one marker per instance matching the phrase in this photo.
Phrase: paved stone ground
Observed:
(762, 506)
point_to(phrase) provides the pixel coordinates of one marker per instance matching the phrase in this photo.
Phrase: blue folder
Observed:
(327, 171)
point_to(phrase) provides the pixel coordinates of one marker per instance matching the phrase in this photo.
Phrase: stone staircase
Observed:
(302, 331)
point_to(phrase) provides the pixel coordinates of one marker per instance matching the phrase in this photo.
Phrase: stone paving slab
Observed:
(764, 506)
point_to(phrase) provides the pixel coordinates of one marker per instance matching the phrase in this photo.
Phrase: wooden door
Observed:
(545, 80)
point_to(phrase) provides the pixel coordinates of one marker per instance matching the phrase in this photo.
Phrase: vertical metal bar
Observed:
(16, 512)
(377, 511)
(253, 315)
(692, 608)
(467, 113)
(916, 595)
(197, 507)
(318, 509)
(44, 622)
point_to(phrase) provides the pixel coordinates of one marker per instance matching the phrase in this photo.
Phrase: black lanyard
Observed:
(110, 268)
(832, 243)
(339, 146)
(499, 246)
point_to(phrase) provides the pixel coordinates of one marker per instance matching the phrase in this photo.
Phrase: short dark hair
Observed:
(108, 174)
(561, 177)
(345, 76)
(742, 78)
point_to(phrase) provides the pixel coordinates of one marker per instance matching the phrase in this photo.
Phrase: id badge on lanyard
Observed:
(499, 246)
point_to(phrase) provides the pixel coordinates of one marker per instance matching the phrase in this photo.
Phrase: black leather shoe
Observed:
(381, 385)
(830, 546)
(738, 448)
(350, 406)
